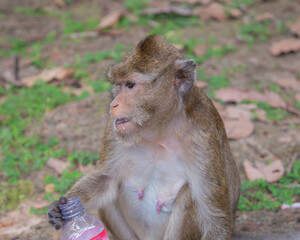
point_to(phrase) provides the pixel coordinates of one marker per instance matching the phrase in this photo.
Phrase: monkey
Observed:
(166, 170)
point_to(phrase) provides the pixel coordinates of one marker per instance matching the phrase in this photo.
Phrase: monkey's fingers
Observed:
(57, 223)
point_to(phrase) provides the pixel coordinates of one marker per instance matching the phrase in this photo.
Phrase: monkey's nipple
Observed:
(159, 206)
(140, 194)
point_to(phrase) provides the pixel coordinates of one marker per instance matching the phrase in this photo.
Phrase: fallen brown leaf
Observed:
(201, 84)
(58, 73)
(180, 47)
(297, 97)
(238, 95)
(286, 139)
(285, 46)
(212, 11)
(265, 17)
(289, 83)
(168, 9)
(41, 203)
(200, 50)
(110, 20)
(271, 172)
(252, 172)
(60, 3)
(3, 99)
(57, 165)
(49, 188)
(234, 13)
(295, 28)
(239, 128)
(6, 224)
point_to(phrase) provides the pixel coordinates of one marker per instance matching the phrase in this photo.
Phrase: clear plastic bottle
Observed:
(79, 225)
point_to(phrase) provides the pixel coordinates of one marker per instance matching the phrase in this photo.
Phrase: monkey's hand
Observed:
(54, 213)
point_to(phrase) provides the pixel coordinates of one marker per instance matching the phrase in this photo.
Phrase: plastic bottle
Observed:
(79, 225)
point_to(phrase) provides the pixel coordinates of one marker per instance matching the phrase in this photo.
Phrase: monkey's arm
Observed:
(94, 190)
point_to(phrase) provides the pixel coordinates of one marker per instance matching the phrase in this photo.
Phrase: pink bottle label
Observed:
(101, 236)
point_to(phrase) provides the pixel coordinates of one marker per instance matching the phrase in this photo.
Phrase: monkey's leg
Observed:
(115, 222)
(183, 223)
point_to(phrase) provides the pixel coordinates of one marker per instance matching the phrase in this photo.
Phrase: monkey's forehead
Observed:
(151, 55)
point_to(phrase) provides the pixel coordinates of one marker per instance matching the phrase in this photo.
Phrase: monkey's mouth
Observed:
(120, 121)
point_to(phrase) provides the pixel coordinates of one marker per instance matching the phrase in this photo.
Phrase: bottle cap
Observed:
(72, 209)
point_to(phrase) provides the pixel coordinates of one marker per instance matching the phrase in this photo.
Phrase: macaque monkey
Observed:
(166, 169)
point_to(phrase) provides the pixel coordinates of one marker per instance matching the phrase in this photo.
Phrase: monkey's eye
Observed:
(129, 84)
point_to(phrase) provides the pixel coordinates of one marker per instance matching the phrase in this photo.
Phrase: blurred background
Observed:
(54, 97)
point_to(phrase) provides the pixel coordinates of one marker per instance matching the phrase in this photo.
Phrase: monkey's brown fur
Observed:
(174, 129)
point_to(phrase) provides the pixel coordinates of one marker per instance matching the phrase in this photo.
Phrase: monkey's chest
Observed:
(149, 192)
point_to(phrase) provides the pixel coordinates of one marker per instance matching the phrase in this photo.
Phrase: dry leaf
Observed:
(57, 165)
(297, 97)
(40, 204)
(234, 13)
(2, 99)
(212, 11)
(201, 84)
(271, 172)
(180, 47)
(168, 9)
(60, 3)
(239, 128)
(289, 83)
(295, 28)
(6, 224)
(200, 50)
(286, 139)
(238, 95)
(49, 188)
(252, 172)
(58, 73)
(285, 46)
(110, 20)
(265, 17)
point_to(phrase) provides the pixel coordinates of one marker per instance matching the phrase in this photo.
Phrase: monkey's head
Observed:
(149, 85)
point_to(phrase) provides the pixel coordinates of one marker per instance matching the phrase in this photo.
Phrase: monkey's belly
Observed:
(141, 215)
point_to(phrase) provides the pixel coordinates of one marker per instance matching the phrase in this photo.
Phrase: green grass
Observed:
(260, 194)
(136, 6)
(273, 114)
(100, 85)
(255, 31)
(30, 11)
(83, 158)
(213, 49)
(71, 25)
(11, 194)
(19, 153)
(166, 23)
(64, 183)
(239, 3)
(215, 82)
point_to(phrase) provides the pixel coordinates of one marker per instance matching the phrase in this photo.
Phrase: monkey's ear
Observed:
(185, 74)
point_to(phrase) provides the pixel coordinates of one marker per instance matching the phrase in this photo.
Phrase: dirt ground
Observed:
(80, 125)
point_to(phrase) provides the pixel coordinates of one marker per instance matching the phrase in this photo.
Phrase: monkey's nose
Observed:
(114, 105)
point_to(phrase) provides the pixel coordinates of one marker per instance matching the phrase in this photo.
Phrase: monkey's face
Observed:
(140, 105)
